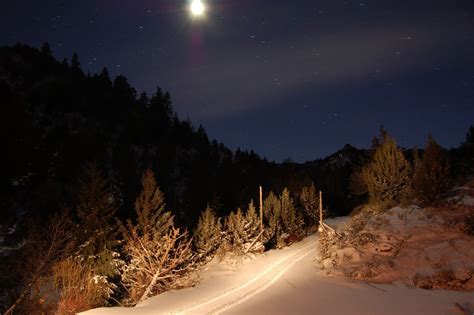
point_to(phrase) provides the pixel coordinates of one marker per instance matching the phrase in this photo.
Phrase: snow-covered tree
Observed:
(281, 218)
(158, 255)
(208, 234)
(242, 228)
(235, 229)
(152, 218)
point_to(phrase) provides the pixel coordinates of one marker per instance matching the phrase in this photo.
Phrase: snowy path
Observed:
(241, 293)
(269, 271)
(288, 282)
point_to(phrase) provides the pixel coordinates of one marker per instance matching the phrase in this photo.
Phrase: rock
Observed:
(463, 275)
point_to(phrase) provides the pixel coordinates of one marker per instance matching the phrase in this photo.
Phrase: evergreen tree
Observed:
(243, 228)
(46, 49)
(253, 221)
(143, 100)
(160, 103)
(467, 152)
(235, 227)
(309, 198)
(124, 94)
(470, 136)
(75, 63)
(104, 75)
(65, 63)
(291, 221)
(432, 181)
(152, 219)
(387, 176)
(272, 212)
(157, 253)
(96, 231)
(208, 233)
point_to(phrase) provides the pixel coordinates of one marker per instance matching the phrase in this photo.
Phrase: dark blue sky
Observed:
(294, 79)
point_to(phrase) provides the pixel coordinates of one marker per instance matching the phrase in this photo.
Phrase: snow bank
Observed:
(427, 248)
(288, 281)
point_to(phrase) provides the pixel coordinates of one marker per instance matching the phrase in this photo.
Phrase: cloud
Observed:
(259, 74)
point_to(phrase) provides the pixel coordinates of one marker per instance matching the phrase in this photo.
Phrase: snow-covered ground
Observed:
(288, 281)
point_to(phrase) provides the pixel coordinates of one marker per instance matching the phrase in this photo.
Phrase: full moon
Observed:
(197, 8)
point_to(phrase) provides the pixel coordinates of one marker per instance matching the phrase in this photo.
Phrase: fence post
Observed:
(320, 229)
(261, 213)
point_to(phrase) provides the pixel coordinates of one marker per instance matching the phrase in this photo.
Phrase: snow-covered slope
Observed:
(288, 282)
(430, 248)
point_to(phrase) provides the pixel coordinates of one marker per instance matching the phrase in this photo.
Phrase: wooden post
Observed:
(261, 213)
(320, 207)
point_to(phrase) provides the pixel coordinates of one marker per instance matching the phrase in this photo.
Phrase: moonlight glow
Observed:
(197, 8)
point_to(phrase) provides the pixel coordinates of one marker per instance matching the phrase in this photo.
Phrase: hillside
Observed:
(55, 118)
(430, 248)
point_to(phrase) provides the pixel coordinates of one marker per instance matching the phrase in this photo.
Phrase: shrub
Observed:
(79, 289)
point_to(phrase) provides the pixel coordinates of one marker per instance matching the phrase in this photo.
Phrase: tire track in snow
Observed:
(248, 294)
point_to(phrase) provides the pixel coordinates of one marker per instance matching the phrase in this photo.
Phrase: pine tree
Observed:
(387, 176)
(123, 93)
(143, 100)
(467, 152)
(253, 222)
(243, 228)
(291, 221)
(65, 63)
(96, 232)
(208, 233)
(46, 49)
(104, 75)
(432, 180)
(272, 212)
(75, 63)
(309, 198)
(152, 219)
(470, 136)
(235, 226)
(158, 254)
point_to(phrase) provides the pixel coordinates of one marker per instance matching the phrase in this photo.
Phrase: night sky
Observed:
(288, 79)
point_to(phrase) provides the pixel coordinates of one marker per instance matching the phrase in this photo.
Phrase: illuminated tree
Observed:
(272, 212)
(158, 255)
(243, 228)
(291, 220)
(309, 198)
(387, 176)
(208, 233)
